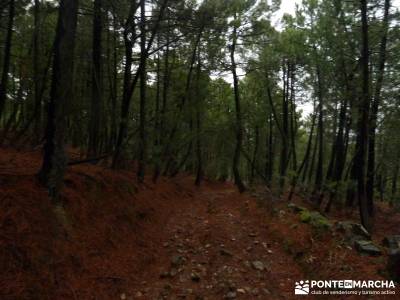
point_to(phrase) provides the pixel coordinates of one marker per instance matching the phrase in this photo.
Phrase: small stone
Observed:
(122, 296)
(269, 251)
(295, 208)
(231, 285)
(138, 294)
(258, 265)
(173, 272)
(367, 247)
(255, 291)
(230, 295)
(177, 260)
(164, 274)
(252, 234)
(241, 291)
(224, 252)
(350, 229)
(195, 277)
(266, 291)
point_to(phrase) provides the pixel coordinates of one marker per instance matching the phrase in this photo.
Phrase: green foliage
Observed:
(189, 75)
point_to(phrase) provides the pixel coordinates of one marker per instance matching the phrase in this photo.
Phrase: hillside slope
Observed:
(114, 239)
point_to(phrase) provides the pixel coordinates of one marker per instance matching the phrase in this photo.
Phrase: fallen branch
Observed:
(88, 160)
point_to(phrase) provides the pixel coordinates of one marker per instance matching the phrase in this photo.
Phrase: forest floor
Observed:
(115, 239)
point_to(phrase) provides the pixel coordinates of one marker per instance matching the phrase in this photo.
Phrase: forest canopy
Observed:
(212, 88)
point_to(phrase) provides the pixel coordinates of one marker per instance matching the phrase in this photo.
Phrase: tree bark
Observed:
(97, 82)
(318, 192)
(129, 37)
(306, 156)
(362, 132)
(143, 87)
(199, 102)
(55, 158)
(255, 154)
(157, 137)
(269, 159)
(131, 84)
(374, 110)
(166, 76)
(239, 128)
(293, 117)
(285, 128)
(7, 56)
(36, 70)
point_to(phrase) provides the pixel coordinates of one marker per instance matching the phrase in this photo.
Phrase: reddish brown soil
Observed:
(115, 239)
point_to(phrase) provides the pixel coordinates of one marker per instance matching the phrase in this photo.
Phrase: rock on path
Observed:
(217, 247)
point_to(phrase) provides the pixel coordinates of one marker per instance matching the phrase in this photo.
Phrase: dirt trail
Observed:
(216, 245)
(169, 240)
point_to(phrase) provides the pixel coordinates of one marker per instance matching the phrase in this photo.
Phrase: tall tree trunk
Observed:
(269, 159)
(374, 110)
(362, 132)
(97, 82)
(37, 115)
(332, 159)
(340, 158)
(285, 128)
(293, 119)
(309, 172)
(157, 137)
(239, 128)
(161, 130)
(143, 87)
(129, 37)
(318, 193)
(7, 56)
(306, 156)
(395, 177)
(185, 97)
(255, 153)
(113, 81)
(199, 102)
(55, 158)
(130, 86)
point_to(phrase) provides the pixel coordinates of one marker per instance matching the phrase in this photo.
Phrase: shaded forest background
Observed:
(146, 81)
